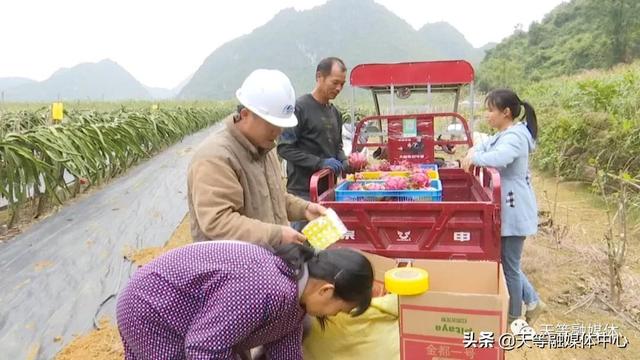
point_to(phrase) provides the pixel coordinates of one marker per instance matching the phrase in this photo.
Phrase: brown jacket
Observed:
(236, 191)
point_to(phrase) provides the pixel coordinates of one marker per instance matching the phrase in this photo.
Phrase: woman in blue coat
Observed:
(508, 151)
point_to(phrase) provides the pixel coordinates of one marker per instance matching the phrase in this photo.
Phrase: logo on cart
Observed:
(404, 235)
(461, 236)
(349, 235)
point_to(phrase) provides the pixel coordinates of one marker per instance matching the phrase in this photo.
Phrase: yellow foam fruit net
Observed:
(406, 281)
(377, 175)
(372, 335)
(374, 175)
(433, 174)
(324, 230)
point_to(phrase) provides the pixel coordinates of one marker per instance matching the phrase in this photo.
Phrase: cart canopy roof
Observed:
(449, 74)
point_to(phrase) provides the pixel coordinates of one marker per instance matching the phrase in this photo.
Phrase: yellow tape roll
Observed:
(406, 281)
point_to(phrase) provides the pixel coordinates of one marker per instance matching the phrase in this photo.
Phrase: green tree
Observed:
(575, 36)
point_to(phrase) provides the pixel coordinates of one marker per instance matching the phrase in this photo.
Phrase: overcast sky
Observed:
(161, 42)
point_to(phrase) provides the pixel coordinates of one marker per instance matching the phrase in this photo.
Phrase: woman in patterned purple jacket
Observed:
(218, 299)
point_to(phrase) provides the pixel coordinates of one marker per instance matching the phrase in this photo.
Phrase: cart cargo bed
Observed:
(464, 225)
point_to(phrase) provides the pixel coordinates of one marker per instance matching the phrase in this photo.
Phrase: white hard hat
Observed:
(269, 94)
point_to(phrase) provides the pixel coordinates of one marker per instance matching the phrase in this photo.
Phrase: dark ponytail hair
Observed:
(348, 270)
(505, 98)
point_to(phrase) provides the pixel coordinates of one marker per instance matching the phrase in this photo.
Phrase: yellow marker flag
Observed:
(57, 112)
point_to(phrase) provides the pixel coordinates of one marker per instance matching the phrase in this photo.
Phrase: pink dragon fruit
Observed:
(357, 161)
(374, 186)
(396, 183)
(384, 166)
(404, 165)
(356, 186)
(419, 180)
(374, 167)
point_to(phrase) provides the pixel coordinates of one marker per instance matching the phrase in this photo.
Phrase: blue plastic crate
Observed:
(344, 194)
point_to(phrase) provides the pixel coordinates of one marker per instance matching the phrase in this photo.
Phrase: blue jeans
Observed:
(520, 289)
(298, 225)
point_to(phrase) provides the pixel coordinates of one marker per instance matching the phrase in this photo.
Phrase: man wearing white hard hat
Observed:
(234, 180)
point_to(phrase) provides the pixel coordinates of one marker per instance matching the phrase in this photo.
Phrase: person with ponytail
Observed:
(508, 151)
(218, 300)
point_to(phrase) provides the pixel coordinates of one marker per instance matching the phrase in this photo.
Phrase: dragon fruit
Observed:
(357, 161)
(373, 167)
(384, 166)
(404, 165)
(419, 180)
(374, 186)
(396, 183)
(361, 186)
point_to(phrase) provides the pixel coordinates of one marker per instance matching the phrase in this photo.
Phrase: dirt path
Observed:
(570, 268)
(78, 249)
(104, 343)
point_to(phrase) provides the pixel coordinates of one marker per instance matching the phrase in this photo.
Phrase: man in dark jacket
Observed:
(316, 142)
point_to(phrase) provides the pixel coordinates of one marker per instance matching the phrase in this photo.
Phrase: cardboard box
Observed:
(463, 296)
